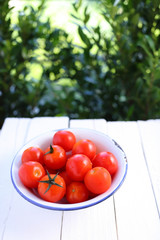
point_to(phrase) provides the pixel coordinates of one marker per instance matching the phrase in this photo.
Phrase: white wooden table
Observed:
(132, 213)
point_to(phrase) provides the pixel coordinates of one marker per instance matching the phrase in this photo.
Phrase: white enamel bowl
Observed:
(103, 143)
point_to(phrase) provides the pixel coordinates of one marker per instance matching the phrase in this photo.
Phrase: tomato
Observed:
(86, 147)
(106, 160)
(52, 188)
(65, 139)
(77, 166)
(55, 157)
(65, 176)
(30, 173)
(77, 192)
(98, 180)
(32, 154)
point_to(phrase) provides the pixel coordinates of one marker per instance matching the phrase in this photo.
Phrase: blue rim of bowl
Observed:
(74, 206)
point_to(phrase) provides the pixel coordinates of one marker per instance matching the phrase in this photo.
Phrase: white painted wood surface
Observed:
(132, 213)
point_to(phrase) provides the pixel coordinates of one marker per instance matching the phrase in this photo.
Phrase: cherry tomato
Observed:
(106, 160)
(86, 147)
(30, 173)
(55, 157)
(65, 176)
(98, 180)
(65, 139)
(77, 166)
(32, 154)
(52, 188)
(77, 192)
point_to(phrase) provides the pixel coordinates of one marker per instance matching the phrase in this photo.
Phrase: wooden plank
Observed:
(136, 212)
(150, 137)
(9, 145)
(97, 222)
(24, 220)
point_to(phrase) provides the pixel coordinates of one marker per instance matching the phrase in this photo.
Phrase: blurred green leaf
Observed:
(83, 37)
(144, 46)
(86, 15)
(113, 73)
(150, 42)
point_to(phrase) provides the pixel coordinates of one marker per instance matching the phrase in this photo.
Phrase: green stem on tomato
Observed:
(50, 151)
(51, 181)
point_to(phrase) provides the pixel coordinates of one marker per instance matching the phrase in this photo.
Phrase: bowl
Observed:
(103, 143)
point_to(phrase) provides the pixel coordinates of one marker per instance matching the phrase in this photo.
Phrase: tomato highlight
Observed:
(30, 173)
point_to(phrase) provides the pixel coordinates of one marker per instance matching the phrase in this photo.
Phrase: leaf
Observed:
(130, 111)
(75, 17)
(42, 5)
(87, 15)
(74, 6)
(150, 42)
(113, 11)
(157, 73)
(135, 19)
(77, 5)
(83, 37)
(145, 48)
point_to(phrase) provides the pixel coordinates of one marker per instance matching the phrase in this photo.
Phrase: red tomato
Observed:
(32, 154)
(106, 160)
(98, 180)
(77, 192)
(86, 147)
(52, 188)
(65, 177)
(65, 139)
(55, 157)
(77, 166)
(30, 173)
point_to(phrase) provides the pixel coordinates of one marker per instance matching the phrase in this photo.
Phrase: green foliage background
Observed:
(113, 74)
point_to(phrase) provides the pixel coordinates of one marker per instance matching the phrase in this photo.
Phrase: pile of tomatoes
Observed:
(67, 169)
